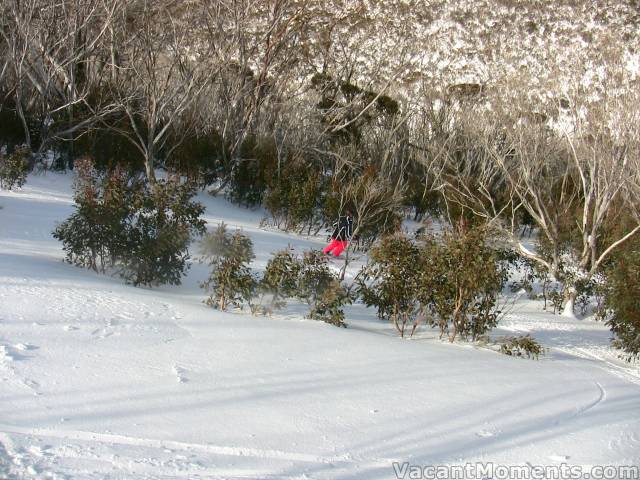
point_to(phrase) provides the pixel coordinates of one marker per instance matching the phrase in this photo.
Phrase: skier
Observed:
(341, 235)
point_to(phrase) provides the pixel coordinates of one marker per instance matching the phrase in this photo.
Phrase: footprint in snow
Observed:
(31, 383)
(559, 458)
(485, 433)
(69, 328)
(36, 451)
(13, 353)
(179, 372)
(5, 356)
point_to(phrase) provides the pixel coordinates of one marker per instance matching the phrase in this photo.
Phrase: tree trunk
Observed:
(570, 296)
(394, 316)
(23, 120)
(148, 168)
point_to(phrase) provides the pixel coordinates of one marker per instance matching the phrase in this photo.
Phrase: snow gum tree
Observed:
(54, 61)
(572, 178)
(158, 78)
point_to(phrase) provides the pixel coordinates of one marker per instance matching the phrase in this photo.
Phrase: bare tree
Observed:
(501, 164)
(159, 78)
(536, 179)
(17, 32)
(255, 49)
(54, 51)
(604, 150)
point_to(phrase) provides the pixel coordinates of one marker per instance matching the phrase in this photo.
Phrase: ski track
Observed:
(601, 362)
(113, 439)
(146, 458)
(601, 398)
(574, 338)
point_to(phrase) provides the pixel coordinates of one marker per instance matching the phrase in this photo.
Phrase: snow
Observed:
(568, 312)
(100, 380)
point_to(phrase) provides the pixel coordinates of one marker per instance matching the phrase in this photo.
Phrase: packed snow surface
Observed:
(101, 380)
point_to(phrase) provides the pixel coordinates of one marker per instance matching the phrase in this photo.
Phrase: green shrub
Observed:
(231, 281)
(107, 147)
(329, 303)
(390, 281)
(94, 236)
(521, 346)
(14, 168)
(557, 300)
(254, 172)
(622, 301)
(320, 288)
(160, 225)
(200, 157)
(462, 278)
(294, 197)
(455, 280)
(11, 128)
(309, 279)
(140, 231)
(526, 282)
(280, 281)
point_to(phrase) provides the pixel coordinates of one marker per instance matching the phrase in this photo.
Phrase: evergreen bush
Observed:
(200, 157)
(521, 346)
(294, 197)
(329, 302)
(462, 279)
(254, 172)
(454, 280)
(231, 281)
(14, 168)
(280, 281)
(390, 281)
(320, 288)
(94, 236)
(142, 232)
(11, 128)
(622, 301)
(162, 220)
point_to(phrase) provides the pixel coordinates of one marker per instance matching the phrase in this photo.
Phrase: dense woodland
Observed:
(509, 123)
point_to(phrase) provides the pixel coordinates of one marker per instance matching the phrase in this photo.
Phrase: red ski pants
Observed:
(337, 246)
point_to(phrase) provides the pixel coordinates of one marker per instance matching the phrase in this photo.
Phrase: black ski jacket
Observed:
(343, 228)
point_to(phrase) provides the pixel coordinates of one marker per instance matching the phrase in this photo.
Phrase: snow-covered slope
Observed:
(100, 380)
